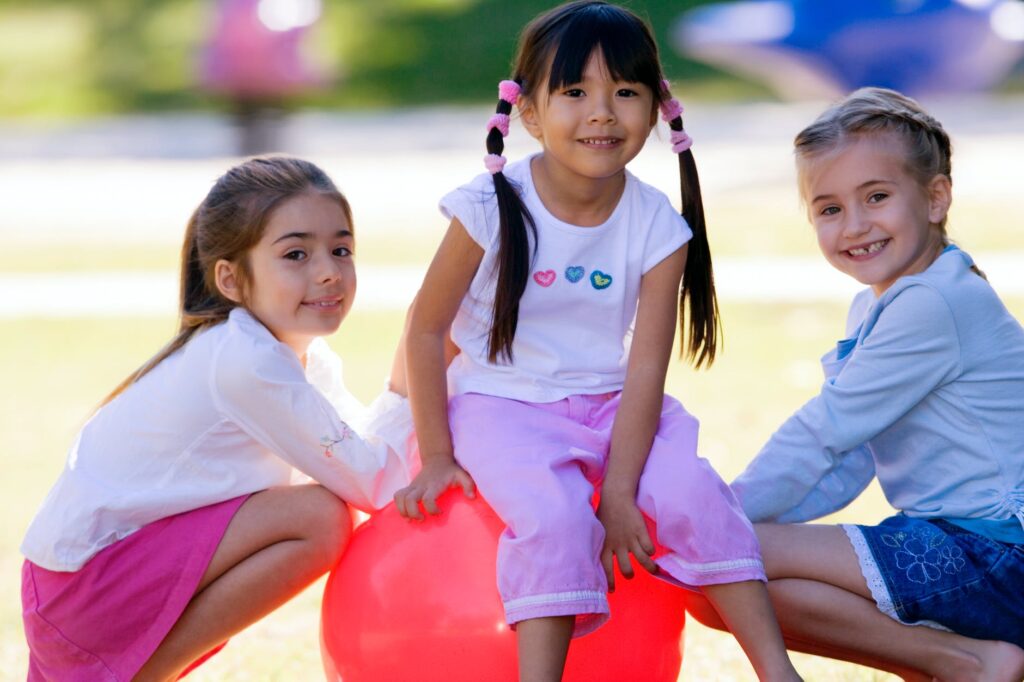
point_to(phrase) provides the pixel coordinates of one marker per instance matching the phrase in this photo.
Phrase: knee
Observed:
(562, 524)
(328, 523)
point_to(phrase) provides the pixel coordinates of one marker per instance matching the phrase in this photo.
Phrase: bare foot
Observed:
(1005, 663)
(988, 661)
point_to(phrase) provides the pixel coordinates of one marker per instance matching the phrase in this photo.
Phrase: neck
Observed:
(573, 198)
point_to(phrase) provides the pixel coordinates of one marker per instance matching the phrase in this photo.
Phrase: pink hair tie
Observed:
(499, 121)
(671, 110)
(508, 91)
(494, 163)
(680, 141)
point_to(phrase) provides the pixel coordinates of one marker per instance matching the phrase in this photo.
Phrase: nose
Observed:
(602, 111)
(328, 268)
(856, 223)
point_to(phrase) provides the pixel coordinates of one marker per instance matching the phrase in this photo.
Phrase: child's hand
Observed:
(435, 478)
(625, 534)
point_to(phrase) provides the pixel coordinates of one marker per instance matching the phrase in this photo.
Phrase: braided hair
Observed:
(927, 148)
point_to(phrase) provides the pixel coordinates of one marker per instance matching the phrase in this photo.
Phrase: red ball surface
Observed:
(418, 601)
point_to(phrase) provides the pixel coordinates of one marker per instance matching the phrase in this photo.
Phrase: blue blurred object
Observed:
(816, 48)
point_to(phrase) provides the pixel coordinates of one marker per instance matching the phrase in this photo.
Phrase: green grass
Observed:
(56, 371)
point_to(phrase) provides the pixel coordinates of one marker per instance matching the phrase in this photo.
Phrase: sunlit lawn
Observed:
(55, 371)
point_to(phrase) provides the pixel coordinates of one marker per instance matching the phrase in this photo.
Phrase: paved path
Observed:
(145, 294)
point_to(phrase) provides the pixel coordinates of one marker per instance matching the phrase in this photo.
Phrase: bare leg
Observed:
(278, 542)
(824, 607)
(543, 645)
(747, 611)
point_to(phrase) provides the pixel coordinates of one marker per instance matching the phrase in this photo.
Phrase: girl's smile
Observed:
(867, 251)
(602, 142)
(325, 305)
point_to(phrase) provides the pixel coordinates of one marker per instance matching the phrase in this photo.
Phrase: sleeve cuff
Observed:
(389, 417)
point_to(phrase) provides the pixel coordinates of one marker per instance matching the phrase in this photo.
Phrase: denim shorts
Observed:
(931, 572)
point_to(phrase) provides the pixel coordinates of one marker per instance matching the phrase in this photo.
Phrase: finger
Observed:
(606, 561)
(410, 508)
(644, 557)
(400, 503)
(467, 483)
(625, 566)
(412, 511)
(430, 503)
(645, 542)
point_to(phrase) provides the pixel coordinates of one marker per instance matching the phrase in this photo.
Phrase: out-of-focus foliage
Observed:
(72, 57)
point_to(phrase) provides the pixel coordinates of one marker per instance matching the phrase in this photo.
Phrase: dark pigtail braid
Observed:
(698, 288)
(514, 248)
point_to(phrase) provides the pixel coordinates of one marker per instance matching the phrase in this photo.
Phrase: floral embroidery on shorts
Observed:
(953, 559)
(923, 556)
(328, 443)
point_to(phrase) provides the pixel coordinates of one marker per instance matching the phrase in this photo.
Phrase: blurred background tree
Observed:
(62, 58)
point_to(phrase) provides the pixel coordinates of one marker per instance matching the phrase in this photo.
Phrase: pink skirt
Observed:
(102, 622)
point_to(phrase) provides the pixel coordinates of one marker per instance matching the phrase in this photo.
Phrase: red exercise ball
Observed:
(419, 601)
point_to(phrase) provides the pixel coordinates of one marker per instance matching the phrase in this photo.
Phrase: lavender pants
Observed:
(537, 465)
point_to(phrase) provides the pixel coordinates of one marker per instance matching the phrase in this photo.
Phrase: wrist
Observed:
(437, 457)
(618, 490)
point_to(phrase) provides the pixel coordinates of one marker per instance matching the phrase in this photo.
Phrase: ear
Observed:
(528, 115)
(227, 280)
(940, 197)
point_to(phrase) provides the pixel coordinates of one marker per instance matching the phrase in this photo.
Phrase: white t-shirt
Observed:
(577, 313)
(232, 412)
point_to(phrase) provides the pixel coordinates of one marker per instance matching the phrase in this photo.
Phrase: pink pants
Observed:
(537, 465)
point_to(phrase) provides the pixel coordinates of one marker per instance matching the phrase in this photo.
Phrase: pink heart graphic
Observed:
(545, 278)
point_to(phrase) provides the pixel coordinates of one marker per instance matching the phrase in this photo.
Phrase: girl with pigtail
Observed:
(175, 523)
(560, 280)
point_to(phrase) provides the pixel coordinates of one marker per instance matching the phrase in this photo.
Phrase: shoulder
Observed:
(479, 192)
(654, 221)
(912, 317)
(652, 205)
(245, 351)
(475, 203)
(919, 302)
(938, 295)
(647, 195)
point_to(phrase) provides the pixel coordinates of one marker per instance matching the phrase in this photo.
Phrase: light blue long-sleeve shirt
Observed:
(927, 393)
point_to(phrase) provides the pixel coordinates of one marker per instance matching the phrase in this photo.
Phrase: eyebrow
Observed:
(309, 235)
(861, 186)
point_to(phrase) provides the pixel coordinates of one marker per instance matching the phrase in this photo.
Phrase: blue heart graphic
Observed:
(600, 280)
(574, 273)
